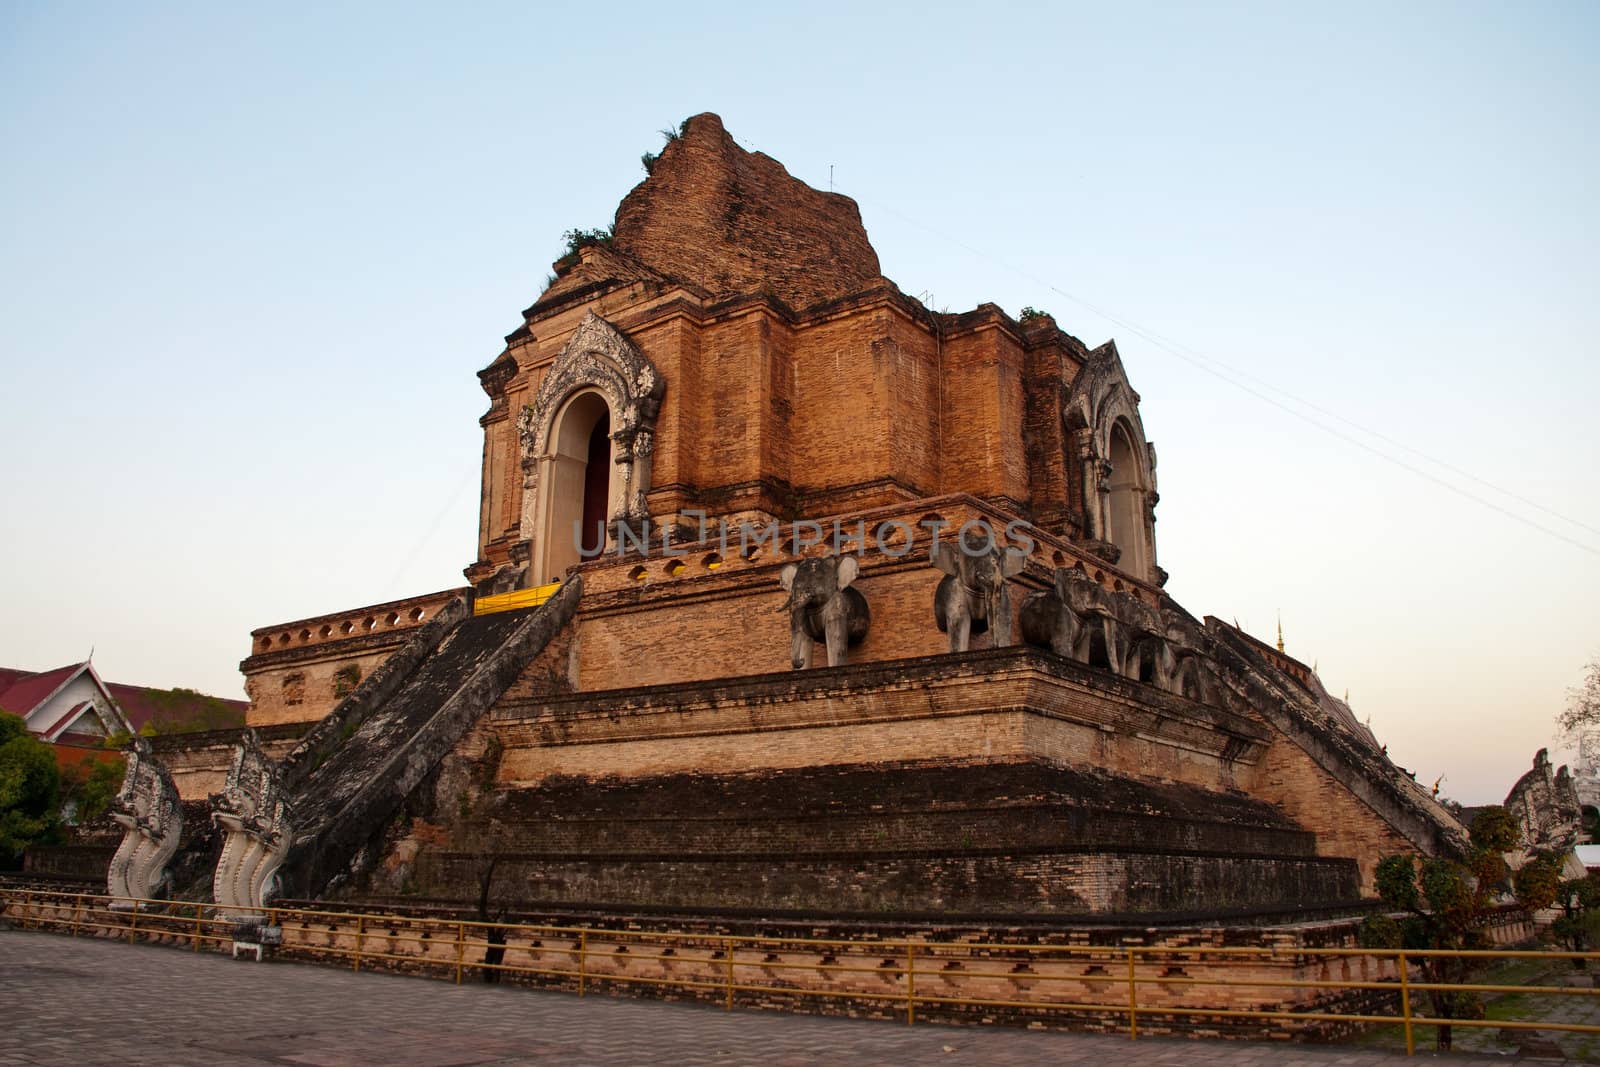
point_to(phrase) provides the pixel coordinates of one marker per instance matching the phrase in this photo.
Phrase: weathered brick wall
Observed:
(1344, 826)
(1040, 825)
(983, 448)
(919, 806)
(1052, 361)
(664, 619)
(551, 673)
(859, 403)
(1042, 884)
(734, 630)
(199, 762)
(298, 671)
(70, 863)
(987, 705)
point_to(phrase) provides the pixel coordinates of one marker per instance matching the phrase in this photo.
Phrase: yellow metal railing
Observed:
(1131, 982)
(513, 601)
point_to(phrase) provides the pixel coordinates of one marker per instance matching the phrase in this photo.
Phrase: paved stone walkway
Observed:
(80, 1001)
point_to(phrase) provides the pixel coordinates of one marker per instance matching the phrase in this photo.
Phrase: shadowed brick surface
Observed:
(92, 1002)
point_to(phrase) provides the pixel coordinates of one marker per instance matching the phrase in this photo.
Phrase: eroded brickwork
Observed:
(1343, 824)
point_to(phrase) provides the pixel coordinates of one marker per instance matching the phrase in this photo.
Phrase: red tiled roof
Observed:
(176, 707)
(169, 709)
(25, 694)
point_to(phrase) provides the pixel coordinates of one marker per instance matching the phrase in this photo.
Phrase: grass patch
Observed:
(1498, 1007)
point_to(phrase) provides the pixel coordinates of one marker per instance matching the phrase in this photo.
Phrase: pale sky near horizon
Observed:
(251, 260)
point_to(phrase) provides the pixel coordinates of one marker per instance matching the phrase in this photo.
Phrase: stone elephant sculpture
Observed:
(1195, 678)
(1081, 620)
(1148, 657)
(824, 606)
(973, 596)
(1076, 620)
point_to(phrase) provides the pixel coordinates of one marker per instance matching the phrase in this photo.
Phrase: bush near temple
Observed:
(1447, 903)
(30, 791)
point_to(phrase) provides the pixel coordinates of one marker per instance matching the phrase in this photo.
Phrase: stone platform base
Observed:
(1020, 838)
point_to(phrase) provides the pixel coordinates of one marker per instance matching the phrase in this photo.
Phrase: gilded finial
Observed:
(1280, 633)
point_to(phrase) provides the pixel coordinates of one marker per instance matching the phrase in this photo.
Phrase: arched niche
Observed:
(1125, 501)
(578, 480)
(599, 379)
(1114, 464)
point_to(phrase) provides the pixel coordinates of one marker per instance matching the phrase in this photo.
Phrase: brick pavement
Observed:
(81, 1001)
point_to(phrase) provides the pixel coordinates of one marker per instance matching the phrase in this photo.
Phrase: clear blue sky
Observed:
(252, 258)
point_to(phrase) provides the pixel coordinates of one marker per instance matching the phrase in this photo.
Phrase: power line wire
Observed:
(433, 528)
(1202, 362)
(1174, 348)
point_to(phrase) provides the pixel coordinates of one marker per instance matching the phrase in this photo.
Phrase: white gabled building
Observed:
(67, 704)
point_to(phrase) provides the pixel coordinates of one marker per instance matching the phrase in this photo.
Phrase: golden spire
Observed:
(1280, 633)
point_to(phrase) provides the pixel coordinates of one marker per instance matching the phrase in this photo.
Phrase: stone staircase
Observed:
(349, 775)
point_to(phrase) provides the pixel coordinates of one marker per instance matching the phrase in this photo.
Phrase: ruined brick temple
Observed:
(633, 706)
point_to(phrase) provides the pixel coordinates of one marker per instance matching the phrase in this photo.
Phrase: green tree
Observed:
(30, 790)
(1579, 925)
(88, 788)
(1537, 884)
(1447, 902)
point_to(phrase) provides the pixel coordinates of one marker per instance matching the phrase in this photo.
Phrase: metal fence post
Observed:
(198, 911)
(1133, 998)
(583, 959)
(77, 915)
(911, 984)
(1405, 1006)
(133, 924)
(727, 950)
(461, 948)
(361, 931)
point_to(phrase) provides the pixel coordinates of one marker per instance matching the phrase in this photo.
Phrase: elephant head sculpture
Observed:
(823, 606)
(1076, 620)
(1149, 658)
(1081, 620)
(973, 597)
(1195, 678)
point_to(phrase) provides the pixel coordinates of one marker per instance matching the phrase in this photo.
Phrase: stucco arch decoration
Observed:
(599, 358)
(1100, 400)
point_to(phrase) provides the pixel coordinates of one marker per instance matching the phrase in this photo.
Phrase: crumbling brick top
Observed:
(725, 221)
